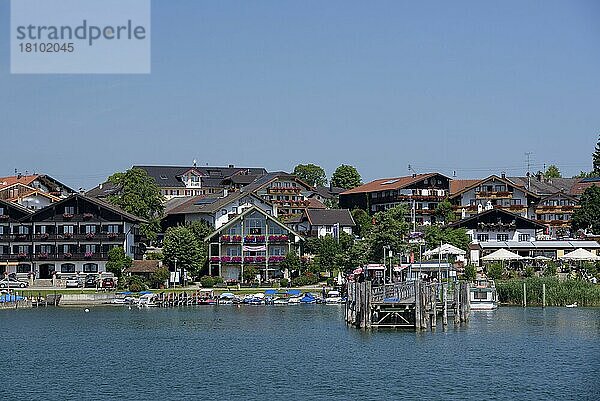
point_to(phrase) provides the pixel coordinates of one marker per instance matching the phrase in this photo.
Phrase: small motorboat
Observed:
(573, 305)
(333, 297)
(146, 300)
(308, 298)
(280, 301)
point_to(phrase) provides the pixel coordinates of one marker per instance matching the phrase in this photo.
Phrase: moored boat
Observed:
(483, 295)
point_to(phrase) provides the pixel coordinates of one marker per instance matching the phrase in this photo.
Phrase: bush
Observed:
(529, 271)
(159, 277)
(136, 283)
(207, 281)
(218, 280)
(495, 271)
(550, 270)
(284, 282)
(330, 282)
(305, 279)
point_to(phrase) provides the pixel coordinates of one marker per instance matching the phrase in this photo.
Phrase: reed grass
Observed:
(558, 292)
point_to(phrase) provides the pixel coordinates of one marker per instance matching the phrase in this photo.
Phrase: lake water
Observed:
(302, 352)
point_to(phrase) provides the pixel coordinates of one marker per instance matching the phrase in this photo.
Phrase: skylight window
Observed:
(390, 182)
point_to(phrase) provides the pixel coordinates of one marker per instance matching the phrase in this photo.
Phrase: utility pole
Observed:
(528, 154)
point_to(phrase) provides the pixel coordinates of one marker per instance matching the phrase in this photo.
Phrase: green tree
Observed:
(291, 262)
(363, 221)
(346, 176)
(139, 195)
(181, 244)
(596, 159)
(328, 253)
(201, 229)
(495, 271)
(354, 256)
(118, 261)
(587, 216)
(311, 174)
(458, 237)
(552, 172)
(250, 273)
(390, 229)
(159, 277)
(445, 212)
(470, 272)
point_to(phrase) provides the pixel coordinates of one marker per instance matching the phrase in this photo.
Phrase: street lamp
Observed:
(175, 275)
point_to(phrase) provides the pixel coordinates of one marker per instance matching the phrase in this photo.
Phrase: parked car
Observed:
(12, 283)
(73, 282)
(108, 283)
(90, 281)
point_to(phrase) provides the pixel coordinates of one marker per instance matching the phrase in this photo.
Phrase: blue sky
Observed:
(444, 86)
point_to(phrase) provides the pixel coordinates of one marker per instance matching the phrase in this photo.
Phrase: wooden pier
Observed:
(410, 305)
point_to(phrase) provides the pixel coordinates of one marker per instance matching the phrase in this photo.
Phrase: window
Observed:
(23, 268)
(67, 268)
(523, 237)
(480, 294)
(234, 251)
(90, 248)
(46, 249)
(1, 211)
(502, 237)
(90, 229)
(69, 209)
(483, 237)
(515, 201)
(328, 229)
(68, 229)
(90, 268)
(112, 228)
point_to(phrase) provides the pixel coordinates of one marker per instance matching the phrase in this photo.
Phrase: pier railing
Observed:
(396, 292)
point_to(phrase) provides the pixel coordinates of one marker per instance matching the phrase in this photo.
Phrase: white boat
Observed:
(146, 301)
(483, 295)
(295, 300)
(333, 297)
(573, 305)
(280, 301)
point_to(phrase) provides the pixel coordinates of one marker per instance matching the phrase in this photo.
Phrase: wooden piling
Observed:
(433, 299)
(456, 303)
(445, 304)
(417, 305)
(524, 294)
(543, 295)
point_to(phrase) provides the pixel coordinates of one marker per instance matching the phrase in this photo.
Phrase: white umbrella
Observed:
(580, 254)
(445, 249)
(542, 258)
(502, 254)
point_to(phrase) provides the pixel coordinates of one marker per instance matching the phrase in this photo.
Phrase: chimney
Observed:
(414, 175)
(100, 186)
(231, 166)
(539, 176)
(504, 174)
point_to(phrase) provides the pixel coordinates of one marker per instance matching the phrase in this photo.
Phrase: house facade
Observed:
(215, 211)
(72, 236)
(421, 193)
(556, 212)
(286, 191)
(253, 238)
(322, 222)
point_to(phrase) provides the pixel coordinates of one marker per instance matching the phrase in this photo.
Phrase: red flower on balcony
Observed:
(43, 255)
(90, 235)
(88, 216)
(68, 235)
(276, 259)
(44, 236)
(88, 255)
(260, 259)
(21, 255)
(249, 259)
(68, 255)
(67, 216)
(214, 259)
(236, 259)
(225, 238)
(4, 217)
(21, 236)
(225, 259)
(236, 238)
(112, 235)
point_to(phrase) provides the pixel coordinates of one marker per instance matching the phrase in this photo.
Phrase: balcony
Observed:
(493, 195)
(70, 256)
(283, 190)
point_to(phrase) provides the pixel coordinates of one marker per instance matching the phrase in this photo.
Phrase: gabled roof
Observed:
(328, 192)
(144, 266)
(495, 215)
(268, 178)
(35, 192)
(330, 217)
(314, 203)
(494, 177)
(20, 179)
(581, 185)
(458, 185)
(16, 207)
(95, 201)
(246, 212)
(170, 176)
(385, 184)
(204, 204)
(103, 190)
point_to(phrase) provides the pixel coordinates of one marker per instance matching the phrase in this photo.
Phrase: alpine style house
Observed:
(71, 236)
